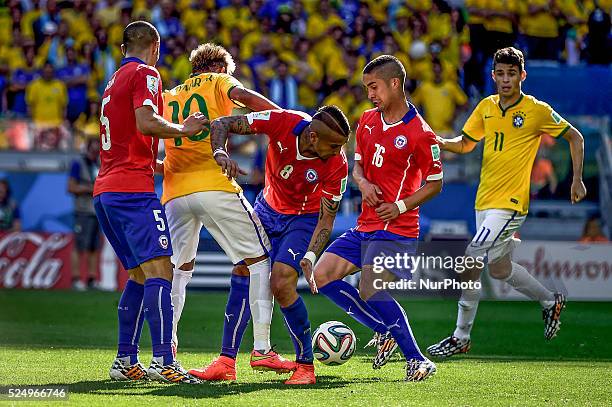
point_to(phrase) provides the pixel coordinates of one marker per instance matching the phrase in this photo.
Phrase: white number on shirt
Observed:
(286, 171)
(106, 140)
(162, 225)
(378, 159)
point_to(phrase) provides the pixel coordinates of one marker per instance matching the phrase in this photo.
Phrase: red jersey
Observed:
(397, 157)
(127, 156)
(294, 183)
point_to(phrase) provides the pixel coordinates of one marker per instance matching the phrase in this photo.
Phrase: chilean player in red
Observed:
(306, 175)
(130, 213)
(395, 152)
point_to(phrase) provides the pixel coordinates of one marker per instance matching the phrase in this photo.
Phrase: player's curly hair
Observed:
(333, 118)
(510, 56)
(209, 57)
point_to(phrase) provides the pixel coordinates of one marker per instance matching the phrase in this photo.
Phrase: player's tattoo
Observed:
(221, 128)
(328, 207)
(320, 241)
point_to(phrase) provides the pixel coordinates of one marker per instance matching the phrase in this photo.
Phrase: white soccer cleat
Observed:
(449, 346)
(123, 370)
(171, 373)
(419, 370)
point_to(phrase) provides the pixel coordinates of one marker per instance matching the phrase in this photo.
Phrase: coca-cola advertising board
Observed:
(582, 271)
(35, 260)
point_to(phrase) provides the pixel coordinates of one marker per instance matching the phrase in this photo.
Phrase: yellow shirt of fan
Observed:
(512, 138)
(189, 165)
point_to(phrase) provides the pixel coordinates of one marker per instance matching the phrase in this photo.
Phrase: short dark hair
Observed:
(334, 118)
(139, 35)
(388, 67)
(510, 56)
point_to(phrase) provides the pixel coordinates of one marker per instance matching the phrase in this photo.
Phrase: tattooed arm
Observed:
(320, 237)
(220, 129)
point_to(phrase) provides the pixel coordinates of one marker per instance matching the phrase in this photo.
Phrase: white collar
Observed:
(299, 156)
(388, 126)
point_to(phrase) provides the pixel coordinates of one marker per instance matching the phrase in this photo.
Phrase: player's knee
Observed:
(240, 270)
(136, 275)
(500, 269)
(255, 260)
(159, 267)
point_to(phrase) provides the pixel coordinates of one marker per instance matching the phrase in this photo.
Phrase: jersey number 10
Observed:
(176, 108)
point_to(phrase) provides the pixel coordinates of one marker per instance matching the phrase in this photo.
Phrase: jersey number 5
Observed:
(185, 113)
(105, 135)
(378, 158)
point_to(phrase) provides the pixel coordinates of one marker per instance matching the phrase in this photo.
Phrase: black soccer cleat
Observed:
(450, 346)
(551, 317)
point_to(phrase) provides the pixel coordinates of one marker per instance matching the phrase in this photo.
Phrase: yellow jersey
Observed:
(440, 101)
(512, 138)
(189, 165)
(47, 101)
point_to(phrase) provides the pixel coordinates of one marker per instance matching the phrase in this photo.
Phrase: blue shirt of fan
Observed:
(21, 77)
(77, 95)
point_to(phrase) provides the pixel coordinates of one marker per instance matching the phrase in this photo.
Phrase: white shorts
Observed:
(495, 233)
(227, 216)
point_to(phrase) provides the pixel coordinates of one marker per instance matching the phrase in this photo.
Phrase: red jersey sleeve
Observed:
(427, 156)
(147, 88)
(268, 122)
(335, 184)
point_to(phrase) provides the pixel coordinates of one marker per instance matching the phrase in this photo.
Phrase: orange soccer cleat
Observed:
(304, 374)
(271, 361)
(222, 368)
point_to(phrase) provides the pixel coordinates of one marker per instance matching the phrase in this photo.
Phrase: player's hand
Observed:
(306, 266)
(194, 123)
(387, 211)
(578, 191)
(370, 193)
(229, 167)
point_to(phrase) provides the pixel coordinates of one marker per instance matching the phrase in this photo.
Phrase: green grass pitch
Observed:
(67, 338)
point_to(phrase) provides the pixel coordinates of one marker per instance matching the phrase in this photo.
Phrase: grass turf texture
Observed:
(66, 338)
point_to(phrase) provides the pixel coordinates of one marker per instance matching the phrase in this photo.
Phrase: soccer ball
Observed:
(333, 343)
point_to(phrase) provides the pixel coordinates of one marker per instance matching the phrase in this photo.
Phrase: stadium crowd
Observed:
(56, 56)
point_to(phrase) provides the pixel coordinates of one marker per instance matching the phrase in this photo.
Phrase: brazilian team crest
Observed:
(311, 175)
(400, 141)
(518, 119)
(163, 241)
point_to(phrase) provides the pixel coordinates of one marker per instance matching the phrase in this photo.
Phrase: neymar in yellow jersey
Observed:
(196, 193)
(511, 124)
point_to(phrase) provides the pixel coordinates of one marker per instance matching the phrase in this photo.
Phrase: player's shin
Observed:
(179, 291)
(466, 314)
(261, 304)
(131, 318)
(296, 319)
(525, 283)
(347, 297)
(395, 319)
(158, 312)
(237, 315)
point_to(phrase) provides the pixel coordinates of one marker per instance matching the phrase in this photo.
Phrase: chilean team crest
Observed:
(400, 142)
(163, 241)
(518, 119)
(311, 175)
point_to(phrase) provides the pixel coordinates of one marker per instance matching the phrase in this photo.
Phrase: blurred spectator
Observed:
(592, 232)
(340, 96)
(440, 100)
(54, 46)
(168, 24)
(20, 80)
(543, 179)
(284, 88)
(88, 123)
(540, 25)
(599, 39)
(10, 219)
(236, 15)
(75, 76)
(322, 20)
(47, 99)
(48, 20)
(500, 18)
(83, 173)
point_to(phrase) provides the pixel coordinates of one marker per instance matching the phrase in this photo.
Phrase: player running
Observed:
(196, 193)
(306, 174)
(511, 124)
(395, 151)
(129, 212)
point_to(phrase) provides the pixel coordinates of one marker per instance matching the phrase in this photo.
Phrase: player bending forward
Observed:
(395, 152)
(511, 124)
(306, 174)
(197, 193)
(129, 212)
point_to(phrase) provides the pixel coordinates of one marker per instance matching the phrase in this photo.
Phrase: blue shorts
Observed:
(289, 234)
(371, 248)
(135, 225)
